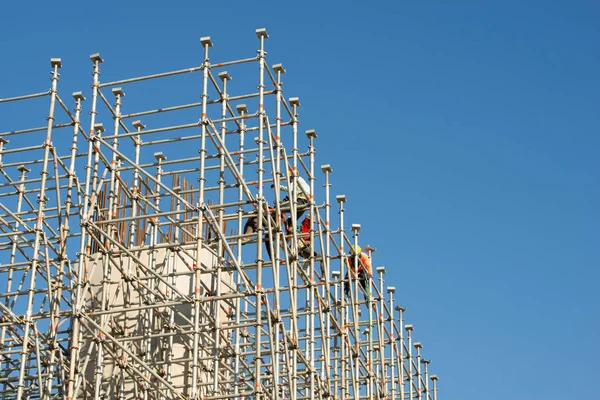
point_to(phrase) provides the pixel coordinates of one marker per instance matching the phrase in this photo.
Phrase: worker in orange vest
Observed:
(363, 271)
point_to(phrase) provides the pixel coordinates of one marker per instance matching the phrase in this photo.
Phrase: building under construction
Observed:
(161, 252)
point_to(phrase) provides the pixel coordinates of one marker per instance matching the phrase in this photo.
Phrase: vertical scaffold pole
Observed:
(409, 371)
(401, 365)
(278, 120)
(152, 266)
(356, 310)
(325, 262)
(262, 35)
(293, 184)
(292, 267)
(243, 111)
(370, 351)
(173, 270)
(382, 376)
(418, 346)
(312, 287)
(84, 251)
(335, 276)
(275, 256)
(344, 353)
(216, 285)
(434, 380)
(112, 213)
(72, 177)
(426, 378)
(135, 193)
(206, 44)
(104, 299)
(56, 64)
(393, 340)
(65, 229)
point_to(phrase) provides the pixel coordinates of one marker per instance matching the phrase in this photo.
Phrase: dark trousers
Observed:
(363, 280)
(300, 209)
(251, 226)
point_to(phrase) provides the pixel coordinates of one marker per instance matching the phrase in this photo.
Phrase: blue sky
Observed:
(465, 135)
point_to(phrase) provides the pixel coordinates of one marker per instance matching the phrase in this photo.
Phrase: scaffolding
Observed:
(181, 257)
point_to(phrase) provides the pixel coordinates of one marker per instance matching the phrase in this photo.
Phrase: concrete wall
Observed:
(110, 282)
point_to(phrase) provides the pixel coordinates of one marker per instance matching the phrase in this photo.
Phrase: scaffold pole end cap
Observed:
(138, 124)
(23, 168)
(96, 57)
(56, 62)
(418, 345)
(408, 327)
(278, 68)
(241, 108)
(356, 227)
(295, 101)
(391, 289)
(224, 76)
(118, 92)
(434, 377)
(311, 134)
(159, 156)
(341, 198)
(78, 96)
(99, 127)
(326, 168)
(262, 32)
(205, 40)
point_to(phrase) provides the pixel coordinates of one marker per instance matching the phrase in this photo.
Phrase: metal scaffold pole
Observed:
(177, 259)
(38, 235)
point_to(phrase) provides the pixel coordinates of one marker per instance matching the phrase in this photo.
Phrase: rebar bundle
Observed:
(167, 259)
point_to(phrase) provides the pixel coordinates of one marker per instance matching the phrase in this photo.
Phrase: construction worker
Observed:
(363, 271)
(304, 249)
(251, 227)
(300, 191)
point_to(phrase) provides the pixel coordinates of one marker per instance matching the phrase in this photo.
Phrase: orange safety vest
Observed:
(364, 262)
